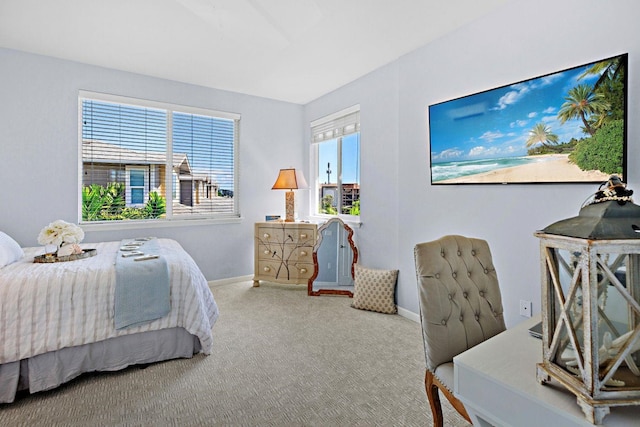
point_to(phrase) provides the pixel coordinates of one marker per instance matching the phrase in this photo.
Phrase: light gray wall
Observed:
(39, 154)
(523, 39)
(399, 206)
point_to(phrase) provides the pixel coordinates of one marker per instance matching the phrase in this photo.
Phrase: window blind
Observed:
(208, 144)
(122, 147)
(341, 123)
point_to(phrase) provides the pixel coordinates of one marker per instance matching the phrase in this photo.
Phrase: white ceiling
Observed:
(291, 50)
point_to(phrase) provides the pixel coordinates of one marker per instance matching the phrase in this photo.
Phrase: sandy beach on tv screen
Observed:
(551, 168)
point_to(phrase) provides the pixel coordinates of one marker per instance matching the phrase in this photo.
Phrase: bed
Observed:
(57, 320)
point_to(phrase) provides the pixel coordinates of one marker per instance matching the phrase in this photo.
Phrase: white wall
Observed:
(39, 154)
(520, 40)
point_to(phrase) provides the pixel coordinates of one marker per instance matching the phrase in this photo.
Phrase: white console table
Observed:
(496, 381)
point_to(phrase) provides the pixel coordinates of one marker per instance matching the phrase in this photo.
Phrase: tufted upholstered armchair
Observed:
(460, 306)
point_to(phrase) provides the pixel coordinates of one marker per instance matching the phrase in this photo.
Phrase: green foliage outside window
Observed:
(327, 205)
(355, 209)
(107, 203)
(156, 205)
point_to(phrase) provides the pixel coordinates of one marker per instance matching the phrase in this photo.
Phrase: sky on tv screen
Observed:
(496, 123)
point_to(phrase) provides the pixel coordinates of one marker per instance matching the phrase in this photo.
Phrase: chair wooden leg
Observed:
(432, 384)
(434, 399)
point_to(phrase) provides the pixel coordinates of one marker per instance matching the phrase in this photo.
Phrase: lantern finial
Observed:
(615, 190)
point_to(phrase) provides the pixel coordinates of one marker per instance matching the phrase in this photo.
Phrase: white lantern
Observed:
(591, 303)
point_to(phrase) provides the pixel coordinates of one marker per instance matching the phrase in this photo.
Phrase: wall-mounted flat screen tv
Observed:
(565, 127)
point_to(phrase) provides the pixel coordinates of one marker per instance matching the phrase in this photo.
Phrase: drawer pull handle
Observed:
(266, 235)
(303, 235)
(303, 270)
(267, 251)
(266, 269)
(303, 253)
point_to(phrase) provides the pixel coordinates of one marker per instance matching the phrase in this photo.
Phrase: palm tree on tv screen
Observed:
(582, 102)
(601, 108)
(609, 71)
(541, 134)
(610, 84)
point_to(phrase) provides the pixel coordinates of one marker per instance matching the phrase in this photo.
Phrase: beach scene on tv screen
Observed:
(562, 127)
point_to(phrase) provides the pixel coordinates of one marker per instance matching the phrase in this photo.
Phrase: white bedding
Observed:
(46, 307)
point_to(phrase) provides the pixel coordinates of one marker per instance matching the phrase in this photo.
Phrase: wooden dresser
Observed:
(283, 252)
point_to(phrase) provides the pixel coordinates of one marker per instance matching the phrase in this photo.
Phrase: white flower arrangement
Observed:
(59, 233)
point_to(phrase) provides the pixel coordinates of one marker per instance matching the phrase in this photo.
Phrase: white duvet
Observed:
(46, 307)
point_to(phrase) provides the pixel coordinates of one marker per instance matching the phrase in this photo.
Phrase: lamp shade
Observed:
(289, 179)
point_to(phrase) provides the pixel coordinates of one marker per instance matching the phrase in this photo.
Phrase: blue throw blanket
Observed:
(142, 287)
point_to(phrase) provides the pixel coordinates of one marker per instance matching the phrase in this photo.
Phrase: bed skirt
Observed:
(49, 370)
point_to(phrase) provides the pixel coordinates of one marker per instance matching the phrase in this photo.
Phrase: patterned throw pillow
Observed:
(374, 290)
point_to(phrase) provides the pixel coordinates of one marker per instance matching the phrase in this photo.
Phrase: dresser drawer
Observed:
(275, 251)
(303, 254)
(285, 234)
(285, 273)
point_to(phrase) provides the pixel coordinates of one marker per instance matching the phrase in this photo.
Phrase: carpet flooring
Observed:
(280, 358)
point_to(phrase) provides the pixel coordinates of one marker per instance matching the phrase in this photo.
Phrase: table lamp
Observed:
(289, 179)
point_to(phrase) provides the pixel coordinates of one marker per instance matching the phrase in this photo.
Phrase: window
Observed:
(336, 151)
(136, 185)
(143, 160)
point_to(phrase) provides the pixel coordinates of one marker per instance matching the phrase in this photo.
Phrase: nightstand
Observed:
(283, 252)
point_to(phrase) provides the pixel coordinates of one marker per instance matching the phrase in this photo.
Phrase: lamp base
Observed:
(289, 206)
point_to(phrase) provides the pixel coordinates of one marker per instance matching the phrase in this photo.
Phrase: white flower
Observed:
(59, 232)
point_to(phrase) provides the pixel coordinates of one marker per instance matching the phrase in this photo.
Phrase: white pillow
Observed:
(10, 250)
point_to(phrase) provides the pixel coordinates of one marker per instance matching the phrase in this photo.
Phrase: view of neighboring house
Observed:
(350, 195)
(143, 172)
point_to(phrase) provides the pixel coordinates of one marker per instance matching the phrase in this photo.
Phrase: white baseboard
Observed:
(409, 314)
(221, 282)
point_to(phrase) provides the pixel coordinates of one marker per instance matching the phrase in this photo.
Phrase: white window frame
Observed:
(234, 217)
(334, 128)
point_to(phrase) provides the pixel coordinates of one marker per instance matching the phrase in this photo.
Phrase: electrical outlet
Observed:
(328, 266)
(525, 308)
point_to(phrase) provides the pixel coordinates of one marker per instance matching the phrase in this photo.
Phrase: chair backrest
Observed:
(460, 301)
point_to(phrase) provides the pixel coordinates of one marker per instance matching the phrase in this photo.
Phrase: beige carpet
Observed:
(281, 358)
